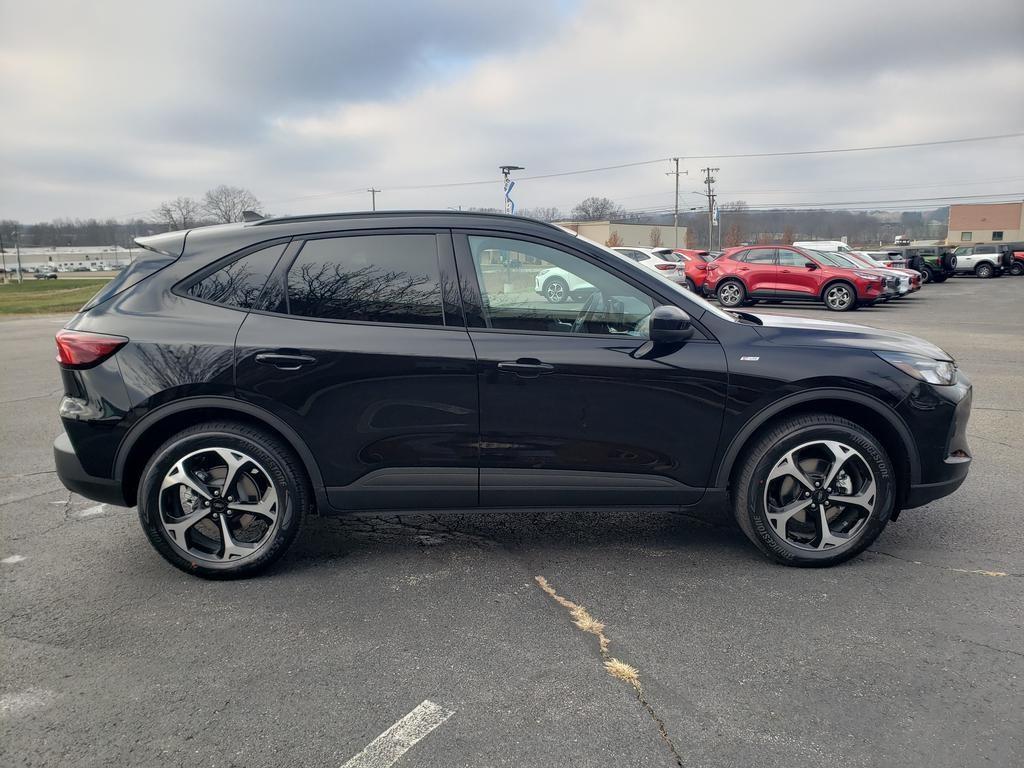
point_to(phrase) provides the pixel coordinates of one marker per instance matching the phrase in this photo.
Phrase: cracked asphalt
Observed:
(912, 655)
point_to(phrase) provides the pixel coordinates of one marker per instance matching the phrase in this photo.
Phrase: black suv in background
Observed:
(935, 263)
(237, 378)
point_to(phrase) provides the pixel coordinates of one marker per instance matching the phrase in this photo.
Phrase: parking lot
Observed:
(912, 654)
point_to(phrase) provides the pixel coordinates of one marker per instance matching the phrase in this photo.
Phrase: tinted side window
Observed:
(375, 278)
(553, 291)
(760, 256)
(985, 249)
(239, 283)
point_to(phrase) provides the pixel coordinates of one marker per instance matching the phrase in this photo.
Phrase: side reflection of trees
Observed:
(318, 289)
(237, 284)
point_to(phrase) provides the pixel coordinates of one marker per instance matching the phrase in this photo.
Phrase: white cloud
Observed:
(106, 113)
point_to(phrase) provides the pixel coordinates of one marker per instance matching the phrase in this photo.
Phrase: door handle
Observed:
(284, 362)
(526, 367)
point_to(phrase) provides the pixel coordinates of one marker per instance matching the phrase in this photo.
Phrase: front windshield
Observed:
(701, 304)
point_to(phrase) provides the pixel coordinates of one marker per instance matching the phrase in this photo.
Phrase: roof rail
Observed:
(386, 214)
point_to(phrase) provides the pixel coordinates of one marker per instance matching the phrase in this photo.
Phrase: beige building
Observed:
(985, 223)
(628, 233)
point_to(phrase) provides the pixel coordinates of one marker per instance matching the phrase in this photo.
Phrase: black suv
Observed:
(237, 378)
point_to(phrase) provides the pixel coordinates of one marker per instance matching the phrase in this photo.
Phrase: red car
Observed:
(694, 262)
(785, 273)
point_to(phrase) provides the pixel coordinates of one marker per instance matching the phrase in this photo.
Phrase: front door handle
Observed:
(285, 362)
(526, 367)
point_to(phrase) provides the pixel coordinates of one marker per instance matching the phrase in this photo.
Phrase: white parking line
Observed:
(385, 750)
(16, 703)
(99, 509)
(12, 559)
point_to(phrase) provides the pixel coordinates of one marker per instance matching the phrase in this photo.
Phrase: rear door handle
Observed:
(285, 362)
(526, 367)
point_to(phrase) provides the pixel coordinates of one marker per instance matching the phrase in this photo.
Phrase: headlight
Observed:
(866, 275)
(922, 368)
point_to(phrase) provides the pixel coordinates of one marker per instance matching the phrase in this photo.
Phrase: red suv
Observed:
(694, 263)
(786, 273)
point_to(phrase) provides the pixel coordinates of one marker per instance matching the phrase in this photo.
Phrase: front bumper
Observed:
(938, 419)
(77, 480)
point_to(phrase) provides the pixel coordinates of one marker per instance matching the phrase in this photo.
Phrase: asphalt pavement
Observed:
(424, 640)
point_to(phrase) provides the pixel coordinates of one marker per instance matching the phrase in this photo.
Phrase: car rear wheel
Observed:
(731, 293)
(814, 490)
(927, 276)
(223, 500)
(691, 286)
(840, 297)
(556, 290)
(1017, 268)
(984, 271)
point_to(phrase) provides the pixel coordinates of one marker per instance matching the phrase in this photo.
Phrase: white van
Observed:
(829, 246)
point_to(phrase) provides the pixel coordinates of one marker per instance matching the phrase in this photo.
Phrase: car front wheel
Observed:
(840, 297)
(223, 500)
(984, 271)
(926, 275)
(814, 490)
(731, 293)
(556, 290)
(1017, 268)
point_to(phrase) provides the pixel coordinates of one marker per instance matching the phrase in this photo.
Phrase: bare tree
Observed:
(614, 240)
(789, 235)
(180, 213)
(691, 238)
(654, 237)
(543, 213)
(597, 209)
(225, 204)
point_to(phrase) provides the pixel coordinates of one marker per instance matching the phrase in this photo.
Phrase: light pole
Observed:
(507, 186)
(373, 198)
(17, 249)
(675, 216)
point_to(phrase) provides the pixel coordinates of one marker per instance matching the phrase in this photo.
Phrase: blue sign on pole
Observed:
(510, 206)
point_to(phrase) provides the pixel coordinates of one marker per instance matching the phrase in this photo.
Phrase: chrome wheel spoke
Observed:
(265, 507)
(179, 527)
(779, 516)
(826, 538)
(865, 499)
(788, 467)
(233, 461)
(178, 475)
(231, 548)
(841, 454)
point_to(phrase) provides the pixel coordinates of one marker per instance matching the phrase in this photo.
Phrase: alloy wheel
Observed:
(219, 505)
(820, 496)
(555, 291)
(730, 295)
(838, 297)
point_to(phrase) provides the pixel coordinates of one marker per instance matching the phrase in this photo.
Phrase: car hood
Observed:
(804, 332)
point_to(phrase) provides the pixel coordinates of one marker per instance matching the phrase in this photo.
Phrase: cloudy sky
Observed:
(107, 108)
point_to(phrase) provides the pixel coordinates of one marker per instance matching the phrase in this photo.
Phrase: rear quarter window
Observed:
(240, 283)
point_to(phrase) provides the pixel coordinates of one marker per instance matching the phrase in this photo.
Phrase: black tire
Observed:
(1017, 268)
(757, 462)
(984, 271)
(691, 286)
(273, 456)
(556, 290)
(846, 304)
(734, 291)
(927, 276)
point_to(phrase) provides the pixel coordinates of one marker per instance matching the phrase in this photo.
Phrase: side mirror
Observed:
(810, 265)
(670, 325)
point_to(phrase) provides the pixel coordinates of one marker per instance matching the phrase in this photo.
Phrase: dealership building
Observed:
(985, 223)
(627, 233)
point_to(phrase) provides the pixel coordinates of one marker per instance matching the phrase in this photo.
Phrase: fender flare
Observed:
(833, 281)
(157, 415)
(759, 419)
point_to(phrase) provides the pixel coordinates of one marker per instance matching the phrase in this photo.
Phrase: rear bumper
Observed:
(77, 480)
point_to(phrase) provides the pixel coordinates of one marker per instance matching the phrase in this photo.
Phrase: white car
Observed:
(559, 286)
(654, 261)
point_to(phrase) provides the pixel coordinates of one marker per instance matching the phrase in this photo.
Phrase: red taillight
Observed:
(79, 349)
(665, 267)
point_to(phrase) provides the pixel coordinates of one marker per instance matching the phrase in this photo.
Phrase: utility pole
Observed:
(17, 248)
(373, 198)
(3, 256)
(708, 181)
(508, 184)
(675, 216)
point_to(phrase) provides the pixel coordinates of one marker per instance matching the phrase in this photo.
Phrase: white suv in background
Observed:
(668, 268)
